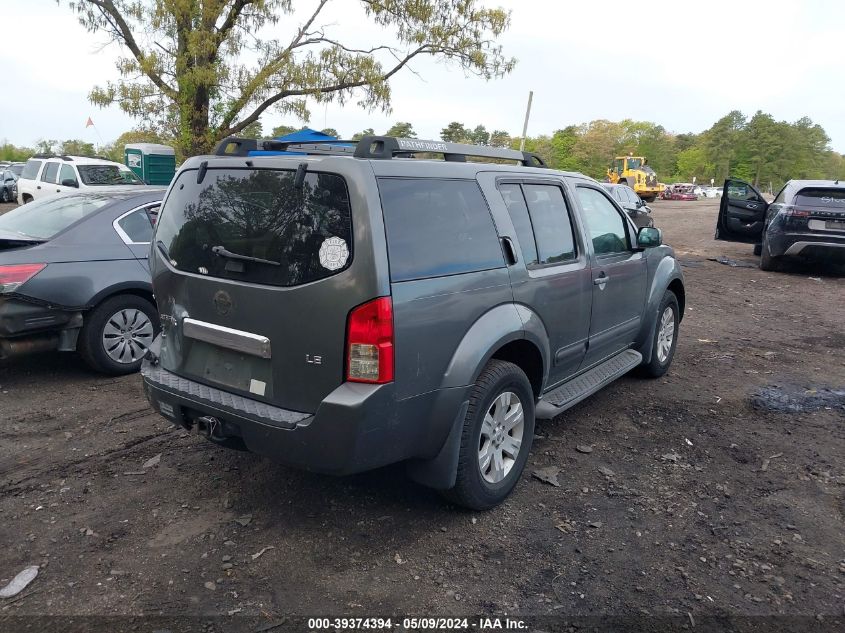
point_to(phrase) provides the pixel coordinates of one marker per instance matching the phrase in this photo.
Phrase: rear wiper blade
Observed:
(221, 251)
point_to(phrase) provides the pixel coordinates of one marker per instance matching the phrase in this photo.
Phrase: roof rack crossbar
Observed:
(377, 148)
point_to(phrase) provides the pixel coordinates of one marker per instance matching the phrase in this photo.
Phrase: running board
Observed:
(571, 393)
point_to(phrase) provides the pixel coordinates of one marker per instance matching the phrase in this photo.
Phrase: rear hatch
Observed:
(255, 271)
(819, 209)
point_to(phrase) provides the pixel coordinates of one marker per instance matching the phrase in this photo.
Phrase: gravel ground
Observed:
(716, 491)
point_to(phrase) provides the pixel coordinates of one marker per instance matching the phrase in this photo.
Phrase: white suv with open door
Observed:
(48, 175)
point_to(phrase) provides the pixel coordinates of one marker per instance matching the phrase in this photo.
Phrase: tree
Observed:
(479, 136)
(359, 135)
(722, 142)
(500, 138)
(330, 131)
(283, 130)
(401, 130)
(455, 132)
(253, 130)
(204, 70)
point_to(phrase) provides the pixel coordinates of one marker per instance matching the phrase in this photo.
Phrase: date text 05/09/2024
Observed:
(418, 624)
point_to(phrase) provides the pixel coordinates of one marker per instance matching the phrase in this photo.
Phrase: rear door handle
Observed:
(510, 251)
(601, 279)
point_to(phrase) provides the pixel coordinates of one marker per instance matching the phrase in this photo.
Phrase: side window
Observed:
(738, 190)
(30, 170)
(67, 173)
(781, 197)
(633, 198)
(515, 202)
(552, 226)
(50, 172)
(606, 227)
(136, 227)
(437, 227)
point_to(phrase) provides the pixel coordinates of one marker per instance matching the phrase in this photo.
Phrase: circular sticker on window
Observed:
(334, 253)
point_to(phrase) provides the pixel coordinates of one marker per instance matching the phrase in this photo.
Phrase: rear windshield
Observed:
(832, 198)
(301, 233)
(47, 217)
(437, 227)
(17, 169)
(107, 175)
(30, 170)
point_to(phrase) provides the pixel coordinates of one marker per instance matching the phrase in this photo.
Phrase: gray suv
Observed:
(340, 307)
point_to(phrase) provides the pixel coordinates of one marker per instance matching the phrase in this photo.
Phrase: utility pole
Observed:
(525, 125)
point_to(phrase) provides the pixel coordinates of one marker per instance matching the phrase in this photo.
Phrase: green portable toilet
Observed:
(153, 163)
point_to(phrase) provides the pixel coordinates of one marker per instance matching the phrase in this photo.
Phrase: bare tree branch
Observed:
(259, 110)
(121, 29)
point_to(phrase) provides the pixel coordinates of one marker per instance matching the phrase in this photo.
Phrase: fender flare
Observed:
(668, 270)
(502, 325)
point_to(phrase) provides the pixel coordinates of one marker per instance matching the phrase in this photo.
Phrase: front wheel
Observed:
(665, 337)
(7, 197)
(496, 438)
(117, 333)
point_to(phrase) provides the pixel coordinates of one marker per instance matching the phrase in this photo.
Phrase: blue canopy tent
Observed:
(305, 135)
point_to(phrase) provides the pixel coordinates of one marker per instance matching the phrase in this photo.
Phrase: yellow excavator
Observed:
(635, 172)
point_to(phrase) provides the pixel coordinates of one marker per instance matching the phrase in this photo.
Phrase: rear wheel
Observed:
(5, 195)
(758, 249)
(117, 334)
(665, 337)
(767, 262)
(496, 437)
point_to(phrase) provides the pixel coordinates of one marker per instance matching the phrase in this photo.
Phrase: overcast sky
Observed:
(680, 64)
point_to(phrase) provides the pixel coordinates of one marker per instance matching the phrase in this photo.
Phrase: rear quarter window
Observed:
(305, 233)
(30, 170)
(437, 227)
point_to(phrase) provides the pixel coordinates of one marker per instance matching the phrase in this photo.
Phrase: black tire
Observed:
(471, 489)
(767, 262)
(758, 249)
(90, 344)
(6, 196)
(656, 367)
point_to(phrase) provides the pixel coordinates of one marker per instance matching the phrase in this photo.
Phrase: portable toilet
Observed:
(153, 163)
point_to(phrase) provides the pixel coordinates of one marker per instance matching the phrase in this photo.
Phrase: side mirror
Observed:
(70, 182)
(649, 237)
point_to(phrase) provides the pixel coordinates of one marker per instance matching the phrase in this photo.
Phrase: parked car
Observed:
(74, 276)
(679, 191)
(8, 185)
(712, 192)
(631, 203)
(806, 219)
(17, 168)
(48, 175)
(343, 312)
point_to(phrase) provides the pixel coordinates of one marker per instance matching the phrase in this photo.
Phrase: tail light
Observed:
(792, 212)
(14, 276)
(370, 342)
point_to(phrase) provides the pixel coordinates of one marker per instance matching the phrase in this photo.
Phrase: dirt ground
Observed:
(716, 491)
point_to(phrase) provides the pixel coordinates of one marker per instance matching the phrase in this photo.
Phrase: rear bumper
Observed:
(27, 327)
(357, 427)
(806, 244)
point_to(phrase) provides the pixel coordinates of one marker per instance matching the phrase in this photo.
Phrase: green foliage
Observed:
(455, 132)
(402, 130)
(13, 154)
(201, 70)
(500, 138)
(253, 130)
(330, 131)
(359, 135)
(283, 130)
(114, 151)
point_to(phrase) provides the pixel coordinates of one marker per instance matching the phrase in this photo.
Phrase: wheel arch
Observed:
(144, 291)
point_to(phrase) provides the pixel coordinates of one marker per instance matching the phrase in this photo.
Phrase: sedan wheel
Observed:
(666, 334)
(117, 334)
(127, 336)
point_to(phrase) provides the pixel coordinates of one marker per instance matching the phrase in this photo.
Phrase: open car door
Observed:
(742, 213)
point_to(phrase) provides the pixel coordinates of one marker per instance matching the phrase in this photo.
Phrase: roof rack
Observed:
(62, 156)
(377, 148)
